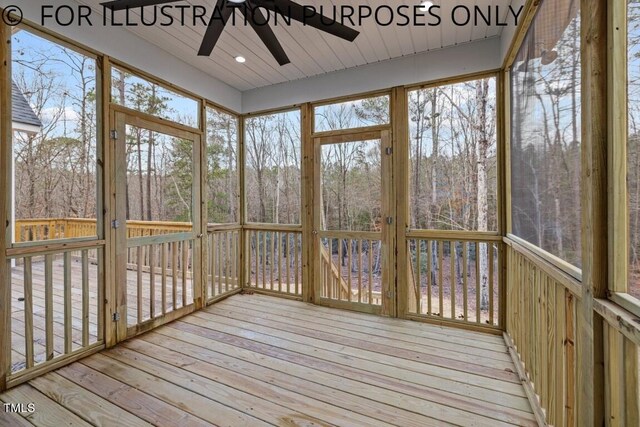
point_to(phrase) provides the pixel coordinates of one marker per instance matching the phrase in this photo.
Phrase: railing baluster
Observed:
(279, 250)
(429, 274)
(490, 248)
(68, 337)
(288, 261)
(296, 248)
(349, 248)
(331, 276)
(85, 298)
(370, 287)
(28, 311)
(264, 260)
(235, 258)
(152, 281)
(478, 281)
(465, 283)
(418, 277)
(228, 257)
(272, 260)
(185, 271)
(440, 284)
(452, 281)
(100, 285)
(215, 255)
(360, 270)
(174, 277)
(48, 305)
(257, 257)
(164, 278)
(139, 261)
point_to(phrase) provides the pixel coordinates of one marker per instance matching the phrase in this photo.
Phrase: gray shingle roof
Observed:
(21, 111)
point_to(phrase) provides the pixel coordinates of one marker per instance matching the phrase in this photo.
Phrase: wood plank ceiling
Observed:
(311, 51)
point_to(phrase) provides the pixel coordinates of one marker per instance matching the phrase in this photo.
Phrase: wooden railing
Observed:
(541, 331)
(223, 264)
(159, 279)
(55, 311)
(621, 364)
(31, 230)
(333, 283)
(274, 258)
(455, 279)
(351, 267)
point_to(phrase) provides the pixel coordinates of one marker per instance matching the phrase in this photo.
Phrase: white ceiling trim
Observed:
(463, 59)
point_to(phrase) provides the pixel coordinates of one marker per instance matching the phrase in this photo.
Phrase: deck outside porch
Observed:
(259, 360)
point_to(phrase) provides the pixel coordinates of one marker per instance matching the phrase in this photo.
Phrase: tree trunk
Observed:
(482, 90)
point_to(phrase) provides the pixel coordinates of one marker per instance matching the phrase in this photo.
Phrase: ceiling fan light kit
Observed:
(252, 13)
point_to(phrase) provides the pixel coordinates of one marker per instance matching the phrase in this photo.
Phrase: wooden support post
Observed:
(106, 276)
(308, 236)
(400, 126)
(199, 212)
(590, 363)
(244, 275)
(504, 190)
(389, 294)
(5, 202)
(617, 151)
(118, 179)
(108, 202)
(203, 241)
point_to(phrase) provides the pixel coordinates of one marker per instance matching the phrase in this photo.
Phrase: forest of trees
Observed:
(352, 114)
(272, 168)
(453, 157)
(453, 172)
(223, 191)
(351, 174)
(545, 139)
(55, 169)
(159, 167)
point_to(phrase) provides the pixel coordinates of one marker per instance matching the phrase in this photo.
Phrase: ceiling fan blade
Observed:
(297, 12)
(260, 24)
(215, 27)
(124, 4)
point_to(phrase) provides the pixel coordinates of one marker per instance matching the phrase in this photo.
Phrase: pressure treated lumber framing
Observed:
(617, 147)
(310, 266)
(5, 205)
(400, 128)
(590, 371)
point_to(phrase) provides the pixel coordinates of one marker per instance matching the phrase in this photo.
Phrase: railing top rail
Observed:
(292, 228)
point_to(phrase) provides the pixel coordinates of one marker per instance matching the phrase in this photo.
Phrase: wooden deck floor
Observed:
(254, 360)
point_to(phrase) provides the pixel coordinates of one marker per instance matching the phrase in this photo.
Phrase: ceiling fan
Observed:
(252, 13)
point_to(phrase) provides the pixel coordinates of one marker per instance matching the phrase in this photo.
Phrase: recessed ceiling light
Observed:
(241, 59)
(426, 5)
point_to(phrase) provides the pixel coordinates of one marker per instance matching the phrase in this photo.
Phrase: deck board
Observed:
(259, 360)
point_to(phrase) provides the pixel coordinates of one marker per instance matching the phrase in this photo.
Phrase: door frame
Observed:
(387, 234)
(120, 117)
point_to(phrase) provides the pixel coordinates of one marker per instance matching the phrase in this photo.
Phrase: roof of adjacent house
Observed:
(21, 111)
